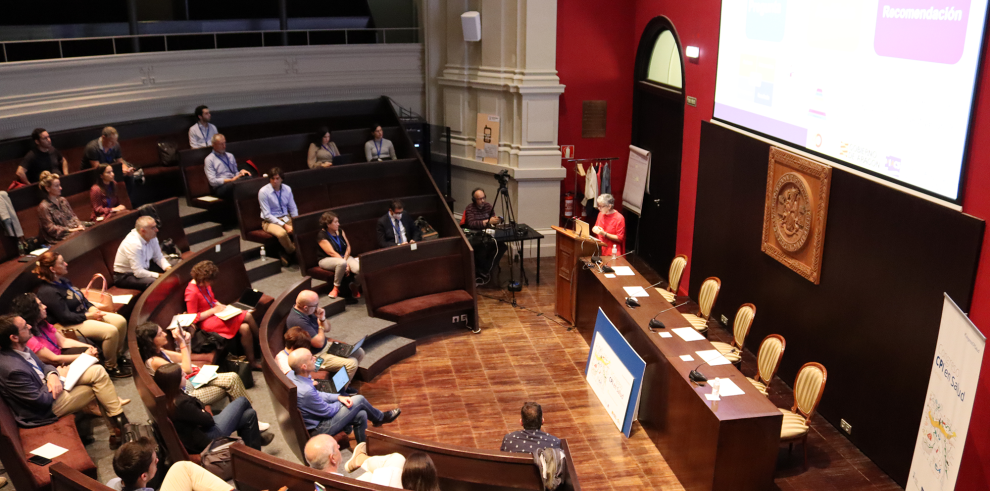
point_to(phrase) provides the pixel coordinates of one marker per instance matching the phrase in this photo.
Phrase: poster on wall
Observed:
(637, 179)
(615, 373)
(949, 402)
(486, 144)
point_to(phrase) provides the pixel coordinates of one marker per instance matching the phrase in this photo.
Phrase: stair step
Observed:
(190, 215)
(383, 352)
(258, 269)
(202, 232)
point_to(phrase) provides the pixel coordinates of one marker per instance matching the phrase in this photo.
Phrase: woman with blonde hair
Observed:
(55, 216)
(69, 310)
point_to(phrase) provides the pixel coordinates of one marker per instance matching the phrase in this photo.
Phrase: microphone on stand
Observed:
(696, 376)
(655, 324)
(633, 302)
(605, 267)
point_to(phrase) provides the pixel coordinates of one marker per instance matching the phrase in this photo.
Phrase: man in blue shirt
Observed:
(201, 133)
(221, 169)
(278, 208)
(329, 414)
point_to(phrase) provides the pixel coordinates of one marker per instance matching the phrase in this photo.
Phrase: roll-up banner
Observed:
(949, 402)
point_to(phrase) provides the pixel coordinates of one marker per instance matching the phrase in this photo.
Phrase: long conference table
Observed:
(731, 444)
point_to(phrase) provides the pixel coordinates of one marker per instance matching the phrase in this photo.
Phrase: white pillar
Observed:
(510, 73)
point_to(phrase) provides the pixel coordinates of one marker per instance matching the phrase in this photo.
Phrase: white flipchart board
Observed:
(637, 179)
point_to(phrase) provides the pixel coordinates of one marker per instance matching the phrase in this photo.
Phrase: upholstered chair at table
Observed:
(740, 328)
(674, 278)
(706, 299)
(808, 388)
(767, 361)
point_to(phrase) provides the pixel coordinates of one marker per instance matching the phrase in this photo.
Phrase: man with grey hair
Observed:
(139, 258)
(323, 453)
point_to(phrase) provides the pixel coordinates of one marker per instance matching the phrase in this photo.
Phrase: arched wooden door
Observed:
(658, 126)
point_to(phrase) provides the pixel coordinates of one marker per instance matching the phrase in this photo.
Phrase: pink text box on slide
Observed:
(923, 30)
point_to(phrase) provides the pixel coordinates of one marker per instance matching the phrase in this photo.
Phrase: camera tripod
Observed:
(508, 229)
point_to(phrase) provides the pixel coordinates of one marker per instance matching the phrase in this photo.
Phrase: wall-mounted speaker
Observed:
(471, 25)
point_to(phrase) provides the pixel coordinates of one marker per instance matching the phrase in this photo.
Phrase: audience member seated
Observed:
(479, 215)
(530, 439)
(42, 157)
(323, 453)
(33, 390)
(201, 133)
(610, 226)
(335, 254)
(46, 341)
(379, 148)
(329, 414)
(195, 425)
(322, 149)
(221, 169)
(151, 340)
(103, 195)
(308, 315)
(394, 229)
(56, 220)
(293, 339)
(200, 301)
(278, 208)
(68, 309)
(105, 150)
(136, 464)
(139, 258)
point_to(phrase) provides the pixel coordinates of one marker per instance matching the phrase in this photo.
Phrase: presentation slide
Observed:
(886, 86)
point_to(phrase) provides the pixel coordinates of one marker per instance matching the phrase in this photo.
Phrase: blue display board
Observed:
(615, 372)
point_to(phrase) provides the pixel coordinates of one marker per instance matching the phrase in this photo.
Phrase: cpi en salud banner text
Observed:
(949, 403)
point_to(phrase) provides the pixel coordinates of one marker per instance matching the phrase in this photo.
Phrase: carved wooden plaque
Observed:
(593, 119)
(795, 212)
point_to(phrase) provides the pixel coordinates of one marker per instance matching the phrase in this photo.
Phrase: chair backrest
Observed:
(707, 295)
(12, 452)
(769, 356)
(280, 388)
(740, 327)
(808, 388)
(676, 270)
(65, 478)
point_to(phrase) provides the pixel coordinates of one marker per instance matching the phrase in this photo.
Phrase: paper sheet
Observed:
(712, 357)
(623, 271)
(181, 320)
(76, 369)
(38, 252)
(49, 451)
(229, 313)
(728, 388)
(208, 199)
(688, 334)
(635, 291)
(609, 275)
(206, 373)
(124, 299)
(666, 335)
(687, 358)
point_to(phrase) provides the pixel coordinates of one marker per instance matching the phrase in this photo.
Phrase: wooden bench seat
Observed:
(431, 283)
(16, 443)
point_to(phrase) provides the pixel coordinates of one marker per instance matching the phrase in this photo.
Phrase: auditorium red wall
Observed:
(591, 62)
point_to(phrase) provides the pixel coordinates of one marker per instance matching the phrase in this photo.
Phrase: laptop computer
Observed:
(581, 228)
(341, 160)
(344, 350)
(335, 384)
(249, 299)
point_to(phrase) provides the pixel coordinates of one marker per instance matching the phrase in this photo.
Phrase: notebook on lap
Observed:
(335, 384)
(344, 350)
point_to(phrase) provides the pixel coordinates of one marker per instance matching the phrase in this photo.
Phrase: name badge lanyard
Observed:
(398, 231)
(209, 300)
(85, 301)
(330, 150)
(378, 147)
(110, 193)
(206, 134)
(278, 198)
(107, 155)
(337, 241)
(226, 162)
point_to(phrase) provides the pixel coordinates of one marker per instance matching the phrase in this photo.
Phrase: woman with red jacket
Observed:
(200, 301)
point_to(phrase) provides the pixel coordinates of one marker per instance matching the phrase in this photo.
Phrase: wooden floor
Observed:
(467, 389)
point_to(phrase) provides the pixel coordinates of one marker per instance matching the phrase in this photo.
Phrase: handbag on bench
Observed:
(101, 299)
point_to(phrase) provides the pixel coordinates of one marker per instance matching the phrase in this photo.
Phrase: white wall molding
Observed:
(69, 93)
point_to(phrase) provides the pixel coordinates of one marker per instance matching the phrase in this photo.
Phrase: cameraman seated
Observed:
(478, 215)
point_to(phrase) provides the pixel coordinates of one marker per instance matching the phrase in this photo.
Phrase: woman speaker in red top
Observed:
(610, 227)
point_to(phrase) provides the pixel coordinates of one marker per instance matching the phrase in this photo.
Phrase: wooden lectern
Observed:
(570, 248)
